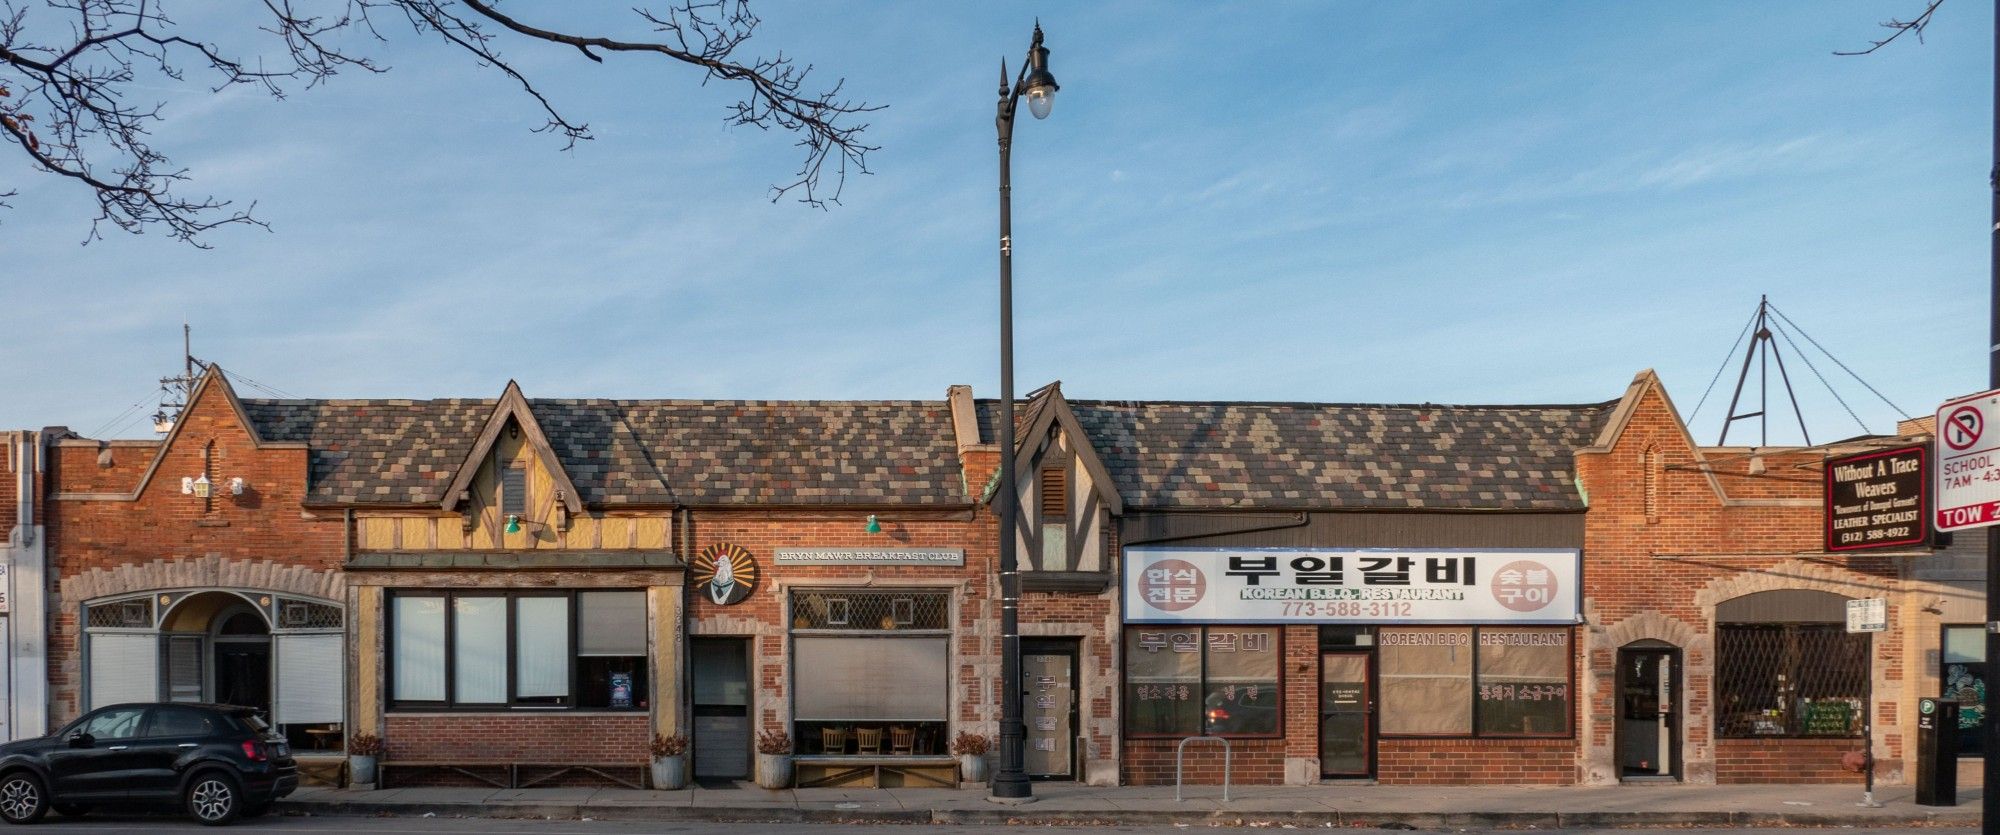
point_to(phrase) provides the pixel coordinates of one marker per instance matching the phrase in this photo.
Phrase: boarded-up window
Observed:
(1524, 681)
(1426, 680)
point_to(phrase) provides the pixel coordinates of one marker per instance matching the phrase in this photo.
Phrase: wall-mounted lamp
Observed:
(202, 486)
(236, 486)
(874, 525)
(513, 523)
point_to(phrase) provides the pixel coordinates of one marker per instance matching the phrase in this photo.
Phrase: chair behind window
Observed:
(902, 740)
(867, 740)
(833, 740)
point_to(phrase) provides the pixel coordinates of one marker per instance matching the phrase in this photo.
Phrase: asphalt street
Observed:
(136, 825)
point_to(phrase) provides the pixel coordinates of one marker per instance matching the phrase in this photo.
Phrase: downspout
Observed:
(24, 489)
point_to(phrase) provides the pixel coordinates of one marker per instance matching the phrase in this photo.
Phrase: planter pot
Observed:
(972, 768)
(670, 773)
(774, 771)
(361, 769)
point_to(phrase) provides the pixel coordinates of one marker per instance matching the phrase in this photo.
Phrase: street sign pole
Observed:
(1990, 799)
(1868, 617)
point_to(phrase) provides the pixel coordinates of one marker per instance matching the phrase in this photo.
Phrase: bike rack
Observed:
(1181, 750)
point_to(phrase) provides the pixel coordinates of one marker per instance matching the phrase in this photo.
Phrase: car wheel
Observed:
(214, 798)
(72, 810)
(23, 799)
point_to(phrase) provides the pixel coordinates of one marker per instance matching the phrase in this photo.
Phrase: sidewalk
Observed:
(1546, 807)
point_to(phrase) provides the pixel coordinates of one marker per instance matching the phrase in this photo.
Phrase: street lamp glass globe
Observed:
(1040, 100)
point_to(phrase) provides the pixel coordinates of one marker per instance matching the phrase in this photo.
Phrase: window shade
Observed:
(418, 647)
(611, 623)
(1426, 685)
(870, 679)
(124, 668)
(541, 647)
(311, 679)
(480, 669)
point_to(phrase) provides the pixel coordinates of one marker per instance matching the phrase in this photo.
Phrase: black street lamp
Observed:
(1039, 86)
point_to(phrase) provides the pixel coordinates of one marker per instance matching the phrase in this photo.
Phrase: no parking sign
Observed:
(1968, 463)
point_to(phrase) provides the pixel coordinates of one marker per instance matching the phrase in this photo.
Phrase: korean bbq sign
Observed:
(1338, 585)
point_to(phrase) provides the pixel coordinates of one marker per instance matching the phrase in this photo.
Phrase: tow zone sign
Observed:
(1968, 462)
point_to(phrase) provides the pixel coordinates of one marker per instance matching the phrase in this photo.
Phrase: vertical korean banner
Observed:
(1335, 585)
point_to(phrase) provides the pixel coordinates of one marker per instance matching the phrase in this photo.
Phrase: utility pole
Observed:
(1990, 798)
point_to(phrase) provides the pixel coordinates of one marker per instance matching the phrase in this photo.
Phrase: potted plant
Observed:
(362, 752)
(774, 760)
(971, 751)
(670, 764)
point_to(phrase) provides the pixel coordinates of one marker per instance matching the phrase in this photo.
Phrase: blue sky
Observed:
(1389, 202)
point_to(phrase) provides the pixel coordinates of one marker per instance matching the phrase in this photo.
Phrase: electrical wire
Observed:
(121, 417)
(1836, 361)
(1721, 368)
(1822, 378)
(274, 392)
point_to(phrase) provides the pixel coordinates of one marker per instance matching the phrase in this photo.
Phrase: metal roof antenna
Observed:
(1764, 349)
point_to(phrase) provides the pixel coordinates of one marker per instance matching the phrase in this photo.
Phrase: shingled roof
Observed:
(638, 452)
(1223, 455)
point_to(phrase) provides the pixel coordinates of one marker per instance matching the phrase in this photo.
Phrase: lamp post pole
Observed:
(1012, 779)
(1990, 803)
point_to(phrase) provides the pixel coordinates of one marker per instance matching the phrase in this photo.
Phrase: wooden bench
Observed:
(849, 769)
(512, 771)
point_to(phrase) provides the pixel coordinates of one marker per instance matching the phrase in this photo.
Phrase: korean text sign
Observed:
(1350, 585)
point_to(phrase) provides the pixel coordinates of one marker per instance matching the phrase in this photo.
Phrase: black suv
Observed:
(218, 762)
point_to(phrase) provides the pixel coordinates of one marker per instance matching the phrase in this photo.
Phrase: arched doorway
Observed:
(1649, 728)
(240, 648)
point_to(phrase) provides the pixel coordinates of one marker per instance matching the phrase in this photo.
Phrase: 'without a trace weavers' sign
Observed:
(1350, 585)
(1876, 499)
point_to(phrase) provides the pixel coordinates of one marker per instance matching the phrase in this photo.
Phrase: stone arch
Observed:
(1653, 626)
(1790, 574)
(211, 571)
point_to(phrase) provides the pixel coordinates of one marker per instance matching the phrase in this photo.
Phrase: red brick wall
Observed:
(1655, 569)
(545, 737)
(1783, 761)
(762, 614)
(265, 524)
(1508, 762)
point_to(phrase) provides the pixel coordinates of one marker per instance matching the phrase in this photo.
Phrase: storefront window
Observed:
(524, 638)
(1790, 679)
(871, 671)
(419, 649)
(1523, 684)
(1221, 681)
(1426, 686)
(1963, 680)
(1474, 681)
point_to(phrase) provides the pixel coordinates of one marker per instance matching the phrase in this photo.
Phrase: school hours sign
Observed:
(1968, 462)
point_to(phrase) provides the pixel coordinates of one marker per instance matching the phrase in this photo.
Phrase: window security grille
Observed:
(305, 614)
(1790, 680)
(870, 611)
(121, 614)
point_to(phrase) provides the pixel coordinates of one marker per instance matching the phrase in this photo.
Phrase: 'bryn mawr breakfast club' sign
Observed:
(1166, 584)
(1877, 499)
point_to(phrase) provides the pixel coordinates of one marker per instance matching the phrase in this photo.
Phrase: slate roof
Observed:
(1298, 456)
(1178, 455)
(638, 452)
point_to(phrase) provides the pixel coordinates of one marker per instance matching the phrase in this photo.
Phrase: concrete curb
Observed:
(1029, 816)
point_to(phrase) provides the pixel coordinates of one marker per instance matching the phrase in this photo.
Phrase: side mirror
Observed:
(81, 740)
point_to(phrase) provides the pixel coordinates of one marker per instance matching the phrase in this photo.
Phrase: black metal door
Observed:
(721, 679)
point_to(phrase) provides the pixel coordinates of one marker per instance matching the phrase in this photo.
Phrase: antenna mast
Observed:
(176, 391)
(1764, 349)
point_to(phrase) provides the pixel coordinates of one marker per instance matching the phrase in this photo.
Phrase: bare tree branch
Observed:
(1899, 27)
(69, 69)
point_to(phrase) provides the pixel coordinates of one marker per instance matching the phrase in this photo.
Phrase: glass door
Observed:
(1048, 680)
(721, 668)
(1648, 721)
(1346, 714)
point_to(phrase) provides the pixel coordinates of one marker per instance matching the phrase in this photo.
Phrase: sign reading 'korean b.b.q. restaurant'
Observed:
(1350, 585)
(1877, 499)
